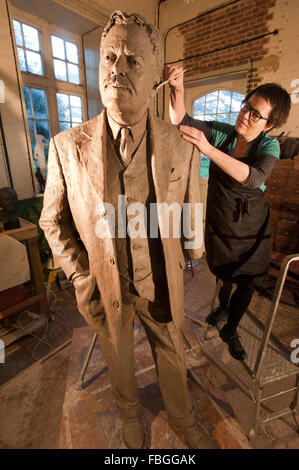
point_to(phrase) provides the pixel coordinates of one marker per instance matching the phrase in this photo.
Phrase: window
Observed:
(51, 64)
(66, 60)
(28, 48)
(69, 110)
(37, 114)
(220, 105)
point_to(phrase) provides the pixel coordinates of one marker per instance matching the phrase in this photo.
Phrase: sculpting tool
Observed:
(166, 81)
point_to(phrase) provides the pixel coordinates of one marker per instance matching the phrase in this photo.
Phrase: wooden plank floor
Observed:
(90, 419)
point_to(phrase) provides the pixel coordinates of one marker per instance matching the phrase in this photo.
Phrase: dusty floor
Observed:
(32, 400)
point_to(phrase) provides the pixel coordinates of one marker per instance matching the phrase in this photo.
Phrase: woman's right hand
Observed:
(170, 73)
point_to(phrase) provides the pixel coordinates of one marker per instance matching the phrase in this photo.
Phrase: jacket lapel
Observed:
(160, 158)
(91, 143)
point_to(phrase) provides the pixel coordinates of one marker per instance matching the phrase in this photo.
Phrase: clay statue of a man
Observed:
(9, 208)
(128, 160)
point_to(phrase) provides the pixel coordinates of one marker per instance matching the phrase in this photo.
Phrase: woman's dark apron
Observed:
(237, 234)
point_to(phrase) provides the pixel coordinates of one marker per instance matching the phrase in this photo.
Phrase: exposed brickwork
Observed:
(228, 26)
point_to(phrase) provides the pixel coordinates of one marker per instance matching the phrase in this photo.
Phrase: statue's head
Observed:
(9, 208)
(131, 65)
(8, 200)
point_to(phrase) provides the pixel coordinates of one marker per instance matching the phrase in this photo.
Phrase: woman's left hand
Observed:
(197, 138)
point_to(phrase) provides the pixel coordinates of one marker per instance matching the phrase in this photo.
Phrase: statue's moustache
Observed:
(117, 81)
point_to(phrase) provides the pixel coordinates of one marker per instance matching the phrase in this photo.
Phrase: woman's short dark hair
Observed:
(278, 98)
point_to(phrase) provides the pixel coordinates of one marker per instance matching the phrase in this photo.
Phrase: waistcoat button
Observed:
(115, 303)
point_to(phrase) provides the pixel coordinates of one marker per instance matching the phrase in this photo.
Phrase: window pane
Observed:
(223, 117)
(233, 118)
(18, 32)
(60, 70)
(27, 101)
(64, 126)
(22, 62)
(63, 107)
(72, 52)
(204, 167)
(76, 108)
(237, 99)
(211, 102)
(73, 71)
(58, 47)
(39, 101)
(210, 117)
(31, 37)
(34, 63)
(199, 105)
(224, 101)
(31, 129)
(201, 117)
(42, 128)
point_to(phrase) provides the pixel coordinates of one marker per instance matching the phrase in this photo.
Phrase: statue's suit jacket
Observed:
(75, 192)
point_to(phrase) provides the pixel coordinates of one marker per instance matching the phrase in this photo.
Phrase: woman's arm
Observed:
(252, 176)
(233, 167)
(177, 108)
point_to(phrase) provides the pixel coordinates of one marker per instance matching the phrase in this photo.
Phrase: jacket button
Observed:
(115, 303)
(112, 260)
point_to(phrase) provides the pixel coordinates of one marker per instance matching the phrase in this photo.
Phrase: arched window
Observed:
(219, 105)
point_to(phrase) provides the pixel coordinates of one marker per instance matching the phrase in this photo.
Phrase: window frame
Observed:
(70, 121)
(66, 61)
(48, 82)
(216, 112)
(33, 117)
(24, 48)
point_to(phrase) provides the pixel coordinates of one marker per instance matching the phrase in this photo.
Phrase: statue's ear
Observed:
(158, 81)
(153, 92)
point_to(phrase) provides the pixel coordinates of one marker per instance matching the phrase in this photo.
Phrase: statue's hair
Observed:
(119, 17)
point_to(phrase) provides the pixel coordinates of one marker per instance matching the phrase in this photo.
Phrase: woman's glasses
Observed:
(254, 115)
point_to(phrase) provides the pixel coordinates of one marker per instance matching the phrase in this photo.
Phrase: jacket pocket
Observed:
(88, 296)
(175, 179)
(82, 263)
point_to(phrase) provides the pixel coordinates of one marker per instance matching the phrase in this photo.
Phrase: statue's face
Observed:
(8, 200)
(127, 72)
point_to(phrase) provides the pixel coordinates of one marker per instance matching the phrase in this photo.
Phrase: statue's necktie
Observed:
(125, 145)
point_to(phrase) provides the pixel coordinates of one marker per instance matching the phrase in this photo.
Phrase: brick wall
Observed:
(225, 27)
